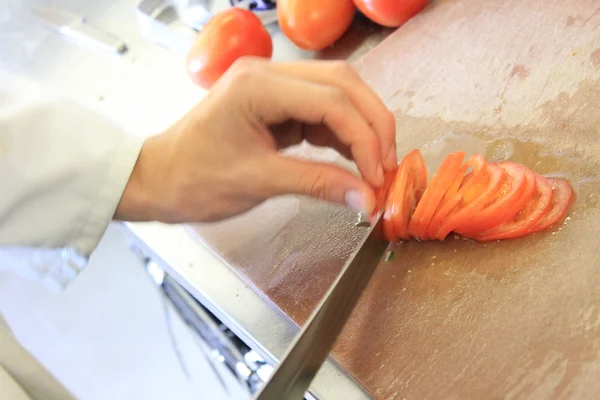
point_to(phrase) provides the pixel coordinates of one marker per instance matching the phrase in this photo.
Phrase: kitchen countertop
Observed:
(132, 89)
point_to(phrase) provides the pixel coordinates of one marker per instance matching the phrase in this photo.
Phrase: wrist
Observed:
(142, 199)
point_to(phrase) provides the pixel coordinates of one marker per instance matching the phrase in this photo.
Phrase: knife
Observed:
(78, 29)
(292, 378)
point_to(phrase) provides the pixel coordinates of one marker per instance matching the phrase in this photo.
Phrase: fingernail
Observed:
(392, 157)
(356, 201)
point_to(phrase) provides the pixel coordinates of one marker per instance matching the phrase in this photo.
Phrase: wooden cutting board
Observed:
(520, 319)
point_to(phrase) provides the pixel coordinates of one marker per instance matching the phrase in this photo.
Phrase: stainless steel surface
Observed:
(145, 90)
(159, 21)
(196, 13)
(303, 360)
(76, 28)
(55, 16)
(215, 341)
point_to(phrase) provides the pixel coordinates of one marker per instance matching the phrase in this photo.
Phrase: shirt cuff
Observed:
(119, 169)
(56, 268)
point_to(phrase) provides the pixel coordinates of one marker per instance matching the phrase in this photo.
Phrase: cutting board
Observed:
(511, 80)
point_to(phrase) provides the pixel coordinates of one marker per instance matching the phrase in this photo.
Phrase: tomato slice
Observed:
(382, 193)
(448, 202)
(523, 222)
(561, 198)
(400, 209)
(434, 194)
(405, 192)
(388, 224)
(492, 202)
(457, 191)
(476, 196)
(508, 200)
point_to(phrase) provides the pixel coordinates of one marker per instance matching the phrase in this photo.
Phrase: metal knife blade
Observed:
(78, 29)
(292, 378)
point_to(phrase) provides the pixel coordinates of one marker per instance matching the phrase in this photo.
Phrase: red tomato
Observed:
(388, 223)
(411, 184)
(433, 195)
(494, 201)
(509, 199)
(523, 222)
(229, 35)
(448, 202)
(477, 195)
(382, 193)
(390, 13)
(406, 191)
(561, 198)
(313, 24)
(458, 190)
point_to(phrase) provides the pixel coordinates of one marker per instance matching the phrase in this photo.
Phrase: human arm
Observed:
(219, 160)
(223, 157)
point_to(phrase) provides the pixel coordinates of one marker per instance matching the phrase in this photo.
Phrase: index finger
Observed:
(282, 98)
(341, 74)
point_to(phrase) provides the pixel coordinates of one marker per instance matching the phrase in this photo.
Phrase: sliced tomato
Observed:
(448, 202)
(388, 224)
(492, 202)
(476, 196)
(411, 184)
(434, 194)
(382, 193)
(523, 222)
(561, 198)
(405, 192)
(398, 200)
(457, 191)
(509, 199)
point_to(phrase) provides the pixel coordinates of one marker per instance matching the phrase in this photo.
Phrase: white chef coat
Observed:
(63, 169)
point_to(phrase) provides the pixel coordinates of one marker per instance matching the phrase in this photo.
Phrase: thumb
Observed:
(324, 182)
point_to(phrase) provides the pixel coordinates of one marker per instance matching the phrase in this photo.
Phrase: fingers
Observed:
(282, 98)
(321, 181)
(292, 133)
(341, 74)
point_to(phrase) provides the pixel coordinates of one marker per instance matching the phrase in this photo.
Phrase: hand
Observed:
(222, 158)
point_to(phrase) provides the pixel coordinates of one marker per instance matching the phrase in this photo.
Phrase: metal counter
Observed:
(145, 90)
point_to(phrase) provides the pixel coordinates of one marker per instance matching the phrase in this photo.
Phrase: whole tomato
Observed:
(314, 24)
(390, 13)
(229, 35)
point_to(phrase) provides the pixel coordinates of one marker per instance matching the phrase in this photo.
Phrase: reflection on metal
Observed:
(217, 342)
(159, 21)
(77, 29)
(295, 373)
(156, 273)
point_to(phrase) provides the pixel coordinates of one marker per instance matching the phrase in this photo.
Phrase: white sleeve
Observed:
(63, 169)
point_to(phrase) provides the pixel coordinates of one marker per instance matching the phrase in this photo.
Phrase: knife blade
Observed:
(78, 29)
(292, 378)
